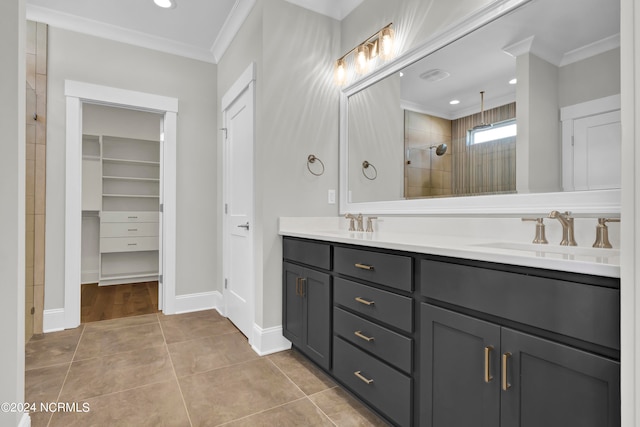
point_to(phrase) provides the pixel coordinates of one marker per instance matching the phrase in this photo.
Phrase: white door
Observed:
(596, 151)
(238, 239)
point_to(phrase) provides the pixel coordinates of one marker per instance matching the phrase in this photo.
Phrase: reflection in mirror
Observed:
(543, 68)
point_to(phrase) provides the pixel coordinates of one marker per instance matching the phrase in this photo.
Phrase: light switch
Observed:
(331, 197)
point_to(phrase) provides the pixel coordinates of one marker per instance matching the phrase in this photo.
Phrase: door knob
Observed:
(245, 226)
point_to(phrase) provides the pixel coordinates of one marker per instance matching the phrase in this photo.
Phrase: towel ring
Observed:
(366, 165)
(312, 159)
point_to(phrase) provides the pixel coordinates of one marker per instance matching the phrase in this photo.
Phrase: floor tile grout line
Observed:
(175, 374)
(68, 370)
(263, 411)
(305, 394)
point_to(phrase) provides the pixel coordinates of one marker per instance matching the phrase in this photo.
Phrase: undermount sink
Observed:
(554, 251)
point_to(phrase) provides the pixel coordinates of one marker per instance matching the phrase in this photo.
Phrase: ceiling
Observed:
(560, 32)
(198, 29)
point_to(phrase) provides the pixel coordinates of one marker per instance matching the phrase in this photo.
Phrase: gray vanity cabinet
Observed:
(547, 384)
(307, 300)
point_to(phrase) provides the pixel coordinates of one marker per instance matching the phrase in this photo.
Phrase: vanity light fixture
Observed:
(166, 4)
(380, 44)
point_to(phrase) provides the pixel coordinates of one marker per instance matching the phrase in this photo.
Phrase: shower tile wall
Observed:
(36, 104)
(425, 176)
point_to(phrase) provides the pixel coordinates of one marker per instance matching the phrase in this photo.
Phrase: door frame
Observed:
(79, 93)
(245, 82)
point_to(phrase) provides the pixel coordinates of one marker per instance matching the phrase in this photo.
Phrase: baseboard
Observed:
(269, 340)
(25, 420)
(53, 320)
(198, 302)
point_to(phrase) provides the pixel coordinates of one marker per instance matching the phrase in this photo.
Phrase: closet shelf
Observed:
(129, 161)
(130, 178)
(142, 196)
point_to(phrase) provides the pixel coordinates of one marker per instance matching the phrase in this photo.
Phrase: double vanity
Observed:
(430, 329)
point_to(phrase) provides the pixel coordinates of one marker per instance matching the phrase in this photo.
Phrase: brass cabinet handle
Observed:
(364, 266)
(362, 377)
(359, 334)
(487, 364)
(297, 285)
(505, 359)
(364, 301)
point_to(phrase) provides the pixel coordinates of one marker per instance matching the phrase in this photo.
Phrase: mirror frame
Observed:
(603, 202)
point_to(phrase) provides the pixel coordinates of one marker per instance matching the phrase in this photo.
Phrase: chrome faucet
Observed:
(357, 218)
(567, 227)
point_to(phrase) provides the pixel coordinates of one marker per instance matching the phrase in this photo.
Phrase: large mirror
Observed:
(526, 103)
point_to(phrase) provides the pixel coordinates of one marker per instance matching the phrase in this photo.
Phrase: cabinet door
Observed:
(316, 295)
(455, 389)
(292, 303)
(554, 385)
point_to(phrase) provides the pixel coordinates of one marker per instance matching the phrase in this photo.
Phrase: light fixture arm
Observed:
(367, 40)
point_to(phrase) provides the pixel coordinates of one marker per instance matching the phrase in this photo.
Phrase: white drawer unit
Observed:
(128, 244)
(124, 229)
(129, 217)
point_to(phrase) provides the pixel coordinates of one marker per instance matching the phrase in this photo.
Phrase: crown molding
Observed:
(112, 32)
(590, 50)
(239, 13)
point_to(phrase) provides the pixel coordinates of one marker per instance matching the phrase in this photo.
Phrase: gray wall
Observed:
(591, 78)
(12, 214)
(90, 59)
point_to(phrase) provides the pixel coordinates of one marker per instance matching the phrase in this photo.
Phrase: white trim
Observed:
(336, 9)
(630, 238)
(590, 50)
(25, 420)
(239, 13)
(198, 302)
(247, 76)
(269, 340)
(53, 320)
(77, 93)
(112, 32)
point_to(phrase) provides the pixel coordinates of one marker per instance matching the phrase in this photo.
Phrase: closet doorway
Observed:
(120, 212)
(78, 96)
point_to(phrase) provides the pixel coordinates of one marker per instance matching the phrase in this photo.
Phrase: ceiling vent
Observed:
(434, 75)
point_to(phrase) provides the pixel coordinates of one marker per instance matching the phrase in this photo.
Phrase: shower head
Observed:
(482, 124)
(440, 149)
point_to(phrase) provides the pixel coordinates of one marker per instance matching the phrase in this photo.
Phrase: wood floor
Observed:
(116, 301)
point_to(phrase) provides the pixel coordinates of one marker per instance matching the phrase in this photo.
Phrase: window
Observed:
(496, 132)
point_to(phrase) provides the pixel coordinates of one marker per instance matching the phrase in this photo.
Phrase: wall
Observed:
(12, 214)
(583, 80)
(89, 59)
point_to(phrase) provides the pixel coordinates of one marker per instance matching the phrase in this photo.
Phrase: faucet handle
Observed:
(602, 233)
(370, 223)
(540, 237)
(351, 218)
(359, 221)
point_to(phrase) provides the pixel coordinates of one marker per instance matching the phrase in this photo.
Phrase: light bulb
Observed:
(362, 59)
(386, 38)
(340, 72)
(165, 4)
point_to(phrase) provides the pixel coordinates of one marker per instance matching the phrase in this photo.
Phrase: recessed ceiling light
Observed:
(401, 74)
(454, 102)
(513, 81)
(166, 4)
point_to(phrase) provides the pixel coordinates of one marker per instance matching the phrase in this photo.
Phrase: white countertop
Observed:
(581, 259)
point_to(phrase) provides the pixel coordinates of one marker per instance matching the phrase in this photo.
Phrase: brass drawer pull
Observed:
(364, 301)
(132, 217)
(132, 229)
(364, 337)
(487, 364)
(132, 244)
(505, 359)
(362, 377)
(364, 266)
(297, 286)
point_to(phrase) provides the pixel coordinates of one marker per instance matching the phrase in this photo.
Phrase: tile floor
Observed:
(191, 369)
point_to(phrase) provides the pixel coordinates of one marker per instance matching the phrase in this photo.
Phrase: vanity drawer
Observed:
(586, 312)
(123, 229)
(386, 269)
(386, 389)
(305, 252)
(389, 346)
(128, 244)
(129, 217)
(387, 307)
